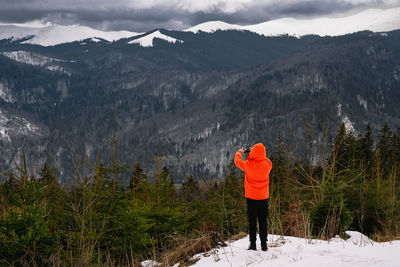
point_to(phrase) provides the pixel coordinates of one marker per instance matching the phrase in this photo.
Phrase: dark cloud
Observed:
(173, 14)
(20, 15)
(131, 19)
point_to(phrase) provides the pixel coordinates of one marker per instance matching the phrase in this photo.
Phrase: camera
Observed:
(247, 149)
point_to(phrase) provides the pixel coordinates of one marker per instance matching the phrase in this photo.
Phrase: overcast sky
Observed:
(144, 15)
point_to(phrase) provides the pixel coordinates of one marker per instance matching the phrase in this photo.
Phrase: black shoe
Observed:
(264, 246)
(252, 246)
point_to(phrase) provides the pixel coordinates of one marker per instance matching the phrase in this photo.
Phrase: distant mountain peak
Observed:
(376, 20)
(147, 40)
(212, 26)
(56, 34)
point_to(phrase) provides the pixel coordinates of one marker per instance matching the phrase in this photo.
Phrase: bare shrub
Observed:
(189, 247)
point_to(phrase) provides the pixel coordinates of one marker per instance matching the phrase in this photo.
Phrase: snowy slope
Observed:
(212, 26)
(291, 251)
(56, 34)
(12, 125)
(284, 251)
(35, 59)
(147, 41)
(376, 20)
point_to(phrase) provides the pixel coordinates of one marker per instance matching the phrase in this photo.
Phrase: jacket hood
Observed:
(258, 152)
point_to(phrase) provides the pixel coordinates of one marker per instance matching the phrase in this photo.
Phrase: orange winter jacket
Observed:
(257, 167)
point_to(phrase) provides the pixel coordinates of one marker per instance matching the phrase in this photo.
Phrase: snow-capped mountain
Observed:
(212, 26)
(147, 40)
(56, 34)
(376, 20)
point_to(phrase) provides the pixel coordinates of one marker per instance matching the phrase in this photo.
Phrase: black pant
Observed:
(257, 210)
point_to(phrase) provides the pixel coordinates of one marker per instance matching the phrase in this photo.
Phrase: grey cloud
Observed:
(130, 19)
(261, 13)
(165, 14)
(20, 15)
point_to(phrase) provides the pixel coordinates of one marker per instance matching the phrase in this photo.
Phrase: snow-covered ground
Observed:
(358, 250)
(286, 251)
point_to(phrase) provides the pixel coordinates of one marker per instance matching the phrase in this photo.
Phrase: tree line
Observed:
(99, 220)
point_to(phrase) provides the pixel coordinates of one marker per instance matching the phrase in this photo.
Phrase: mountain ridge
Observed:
(375, 20)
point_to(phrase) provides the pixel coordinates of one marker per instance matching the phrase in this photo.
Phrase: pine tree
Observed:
(138, 178)
(365, 149)
(338, 154)
(47, 175)
(385, 149)
(190, 189)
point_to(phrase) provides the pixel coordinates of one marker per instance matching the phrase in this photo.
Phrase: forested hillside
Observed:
(199, 100)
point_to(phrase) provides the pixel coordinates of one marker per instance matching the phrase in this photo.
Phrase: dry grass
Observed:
(388, 236)
(237, 236)
(296, 221)
(183, 253)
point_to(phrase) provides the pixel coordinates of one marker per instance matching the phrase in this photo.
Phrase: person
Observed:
(256, 185)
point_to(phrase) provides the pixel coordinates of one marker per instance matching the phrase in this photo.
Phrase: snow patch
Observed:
(339, 108)
(88, 150)
(147, 41)
(348, 124)
(362, 102)
(149, 263)
(3, 130)
(204, 134)
(6, 94)
(396, 74)
(96, 40)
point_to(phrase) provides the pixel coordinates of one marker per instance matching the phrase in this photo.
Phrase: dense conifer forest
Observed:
(203, 97)
(100, 220)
